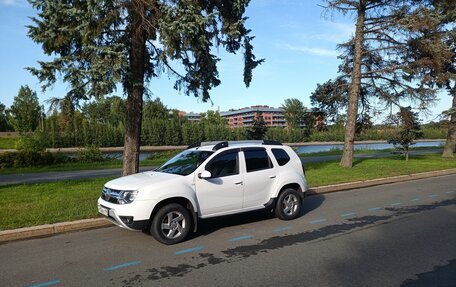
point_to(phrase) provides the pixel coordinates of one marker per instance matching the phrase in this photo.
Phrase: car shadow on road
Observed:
(210, 225)
(311, 203)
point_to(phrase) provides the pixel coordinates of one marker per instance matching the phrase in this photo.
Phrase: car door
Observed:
(260, 177)
(223, 192)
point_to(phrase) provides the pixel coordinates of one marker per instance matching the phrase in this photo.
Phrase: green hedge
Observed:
(81, 132)
(28, 158)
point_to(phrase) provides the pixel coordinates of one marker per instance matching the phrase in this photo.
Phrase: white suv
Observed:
(204, 181)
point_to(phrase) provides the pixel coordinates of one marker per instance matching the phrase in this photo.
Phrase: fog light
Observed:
(127, 219)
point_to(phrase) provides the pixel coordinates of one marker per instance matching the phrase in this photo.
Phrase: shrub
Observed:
(328, 136)
(89, 154)
(32, 143)
(28, 159)
(7, 160)
(434, 133)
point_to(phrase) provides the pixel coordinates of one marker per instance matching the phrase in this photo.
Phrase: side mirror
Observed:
(205, 174)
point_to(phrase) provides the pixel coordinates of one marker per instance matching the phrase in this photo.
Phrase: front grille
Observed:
(110, 195)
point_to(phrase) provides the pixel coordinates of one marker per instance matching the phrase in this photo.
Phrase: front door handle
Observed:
(272, 176)
(238, 183)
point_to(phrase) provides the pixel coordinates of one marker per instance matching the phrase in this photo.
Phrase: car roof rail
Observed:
(198, 144)
(271, 142)
(220, 145)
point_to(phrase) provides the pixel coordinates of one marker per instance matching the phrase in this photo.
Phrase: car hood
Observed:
(138, 180)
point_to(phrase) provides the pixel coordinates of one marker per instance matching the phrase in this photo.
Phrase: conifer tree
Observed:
(375, 59)
(294, 112)
(25, 112)
(409, 130)
(258, 129)
(102, 43)
(433, 50)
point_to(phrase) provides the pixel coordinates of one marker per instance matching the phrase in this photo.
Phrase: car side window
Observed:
(281, 156)
(224, 165)
(257, 160)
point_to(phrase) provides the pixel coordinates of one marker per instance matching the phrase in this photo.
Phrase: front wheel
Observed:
(171, 224)
(288, 204)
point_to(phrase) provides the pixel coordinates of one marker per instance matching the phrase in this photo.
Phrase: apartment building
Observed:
(244, 117)
(273, 117)
(192, 117)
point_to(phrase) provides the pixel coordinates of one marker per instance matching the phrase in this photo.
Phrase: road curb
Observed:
(57, 228)
(52, 229)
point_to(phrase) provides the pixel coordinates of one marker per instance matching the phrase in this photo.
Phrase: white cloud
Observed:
(344, 28)
(333, 32)
(312, 50)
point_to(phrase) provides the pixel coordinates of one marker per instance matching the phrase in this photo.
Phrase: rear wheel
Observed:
(171, 224)
(288, 204)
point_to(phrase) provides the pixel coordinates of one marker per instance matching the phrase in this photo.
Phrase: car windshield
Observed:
(185, 162)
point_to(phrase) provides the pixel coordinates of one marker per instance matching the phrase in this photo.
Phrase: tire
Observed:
(288, 205)
(171, 224)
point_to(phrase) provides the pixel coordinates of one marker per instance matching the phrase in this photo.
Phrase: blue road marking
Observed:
(347, 214)
(396, 204)
(241, 238)
(193, 249)
(277, 230)
(128, 264)
(48, 283)
(374, 208)
(433, 195)
(415, 199)
(317, 221)
(448, 192)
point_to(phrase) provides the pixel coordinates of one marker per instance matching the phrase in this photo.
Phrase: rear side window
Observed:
(224, 165)
(281, 156)
(257, 160)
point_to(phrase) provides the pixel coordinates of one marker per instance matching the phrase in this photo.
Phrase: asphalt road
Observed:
(401, 234)
(7, 179)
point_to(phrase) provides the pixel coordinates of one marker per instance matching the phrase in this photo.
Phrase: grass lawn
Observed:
(326, 173)
(8, 142)
(34, 204)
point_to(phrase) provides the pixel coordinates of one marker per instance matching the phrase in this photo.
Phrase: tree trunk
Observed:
(450, 145)
(135, 88)
(352, 108)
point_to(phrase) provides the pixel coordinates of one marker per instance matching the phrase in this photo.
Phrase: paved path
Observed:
(6, 179)
(399, 234)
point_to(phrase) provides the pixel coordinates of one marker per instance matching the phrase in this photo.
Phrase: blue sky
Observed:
(296, 39)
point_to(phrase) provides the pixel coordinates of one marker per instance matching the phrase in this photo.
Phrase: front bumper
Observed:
(134, 216)
(126, 222)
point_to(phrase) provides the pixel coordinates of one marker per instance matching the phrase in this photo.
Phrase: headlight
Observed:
(118, 196)
(127, 196)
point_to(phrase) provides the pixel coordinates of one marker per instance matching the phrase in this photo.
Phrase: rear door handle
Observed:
(238, 183)
(272, 176)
